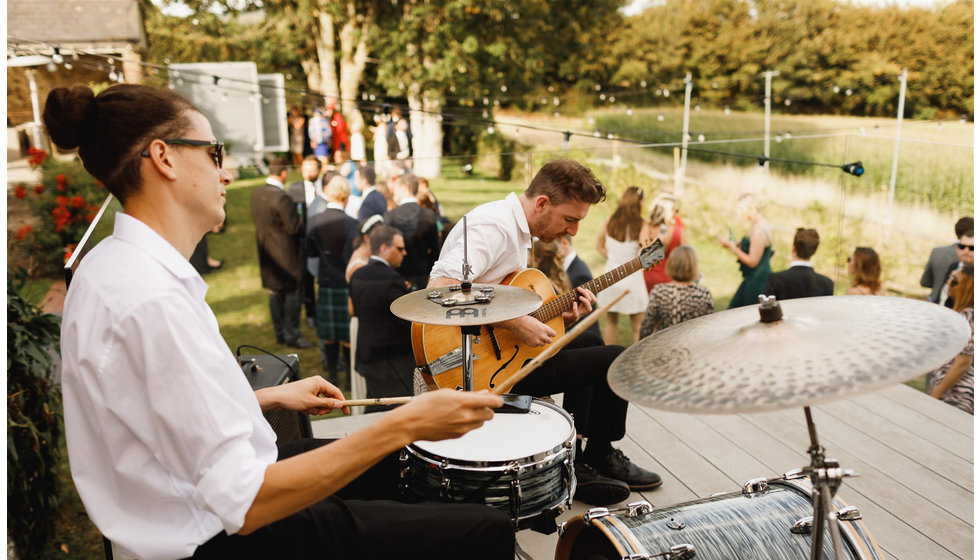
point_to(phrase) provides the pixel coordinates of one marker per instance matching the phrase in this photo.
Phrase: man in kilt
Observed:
(329, 241)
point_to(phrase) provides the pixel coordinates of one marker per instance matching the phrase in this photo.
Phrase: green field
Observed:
(935, 159)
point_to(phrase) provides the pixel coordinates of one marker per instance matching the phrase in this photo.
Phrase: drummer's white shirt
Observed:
(167, 443)
(498, 243)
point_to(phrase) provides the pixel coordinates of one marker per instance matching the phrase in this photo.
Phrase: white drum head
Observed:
(507, 437)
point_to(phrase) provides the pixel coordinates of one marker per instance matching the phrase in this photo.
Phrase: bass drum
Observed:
(752, 525)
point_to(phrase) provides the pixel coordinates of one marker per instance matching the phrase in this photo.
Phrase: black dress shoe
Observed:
(618, 466)
(597, 490)
(300, 343)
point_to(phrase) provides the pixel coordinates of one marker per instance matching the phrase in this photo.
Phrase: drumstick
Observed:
(571, 335)
(381, 401)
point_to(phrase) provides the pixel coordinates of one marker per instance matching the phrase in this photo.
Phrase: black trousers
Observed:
(579, 370)
(309, 294)
(364, 520)
(285, 308)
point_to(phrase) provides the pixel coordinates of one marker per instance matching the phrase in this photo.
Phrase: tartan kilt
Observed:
(332, 319)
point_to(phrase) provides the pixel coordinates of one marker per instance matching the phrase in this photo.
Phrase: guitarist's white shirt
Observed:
(498, 241)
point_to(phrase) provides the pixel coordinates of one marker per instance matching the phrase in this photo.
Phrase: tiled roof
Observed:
(75, 21)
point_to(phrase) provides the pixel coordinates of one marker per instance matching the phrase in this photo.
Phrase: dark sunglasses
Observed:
(217, 154)
(962, 246)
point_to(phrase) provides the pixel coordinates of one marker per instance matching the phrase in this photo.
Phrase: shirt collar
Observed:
(801, 263)
(408, 200)
(335, 205)
(276, 182)
(380, 260)
(518, 211)
(131, 230)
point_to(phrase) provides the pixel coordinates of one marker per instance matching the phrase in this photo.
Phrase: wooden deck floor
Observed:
(914, 456)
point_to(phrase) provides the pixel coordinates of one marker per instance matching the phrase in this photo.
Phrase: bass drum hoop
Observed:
(861, 543)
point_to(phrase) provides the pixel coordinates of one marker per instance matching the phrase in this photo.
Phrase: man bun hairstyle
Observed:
(112, 128)
(564, 179)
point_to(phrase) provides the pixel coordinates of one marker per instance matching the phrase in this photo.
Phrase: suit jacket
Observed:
(578, 274)
(373, 203)
(382, 338)
(278, 230)
(798, 282)
(418, 226)
(942, 261)
(329, 241)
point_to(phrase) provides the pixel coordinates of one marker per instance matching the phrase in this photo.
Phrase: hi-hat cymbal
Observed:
(823, 349)
(481, 305)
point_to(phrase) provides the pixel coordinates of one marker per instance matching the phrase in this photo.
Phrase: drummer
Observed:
(168, 446)
(499, 238)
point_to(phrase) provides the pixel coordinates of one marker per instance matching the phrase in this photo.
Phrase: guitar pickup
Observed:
(449, 360)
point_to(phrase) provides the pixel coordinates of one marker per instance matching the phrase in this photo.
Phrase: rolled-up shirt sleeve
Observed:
(197, 414)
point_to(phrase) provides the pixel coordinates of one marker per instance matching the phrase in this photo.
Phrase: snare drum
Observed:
(521, 464)
(764, 523)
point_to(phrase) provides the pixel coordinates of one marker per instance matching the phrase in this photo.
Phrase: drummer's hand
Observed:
(445, 414)
(312, 395)
(531, 331)
(583, 304)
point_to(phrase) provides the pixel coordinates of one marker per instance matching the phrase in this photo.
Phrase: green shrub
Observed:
(33, 409)
(65, 203)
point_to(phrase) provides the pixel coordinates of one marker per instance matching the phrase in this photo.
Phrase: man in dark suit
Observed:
(374, 201)
(942, 261)
(800, 280)
(278, 229)
(418, 226)
(384, 342)
(303, 194)
(329, 244)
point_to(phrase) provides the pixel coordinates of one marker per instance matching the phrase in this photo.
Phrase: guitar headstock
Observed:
(652, 254)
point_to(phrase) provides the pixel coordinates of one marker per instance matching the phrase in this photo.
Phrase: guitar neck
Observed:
(564, 302)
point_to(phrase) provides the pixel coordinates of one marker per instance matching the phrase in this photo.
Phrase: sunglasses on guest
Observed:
(961, 246)
(217, 154)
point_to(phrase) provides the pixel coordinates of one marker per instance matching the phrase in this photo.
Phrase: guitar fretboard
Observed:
(564, 302)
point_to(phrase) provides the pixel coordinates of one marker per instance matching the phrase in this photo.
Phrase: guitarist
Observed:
(499, 238)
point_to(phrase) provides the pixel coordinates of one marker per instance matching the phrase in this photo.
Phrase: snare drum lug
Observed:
(681, 552)
(561, 529)
(642, 507)
(445, 488)
(755, 486)
(595, 513)
(804, 526)
(676, 524)
(849, 513)
(516, 495)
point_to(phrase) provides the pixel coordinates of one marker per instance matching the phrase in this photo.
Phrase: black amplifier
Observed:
(263, 371)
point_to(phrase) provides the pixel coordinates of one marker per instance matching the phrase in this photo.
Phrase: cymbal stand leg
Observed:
(468, 333)
(826, 477)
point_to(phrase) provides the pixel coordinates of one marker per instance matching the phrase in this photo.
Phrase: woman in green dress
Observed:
(753, 252)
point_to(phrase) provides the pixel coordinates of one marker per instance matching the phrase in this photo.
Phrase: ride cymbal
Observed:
(451, 305)
(822, 349)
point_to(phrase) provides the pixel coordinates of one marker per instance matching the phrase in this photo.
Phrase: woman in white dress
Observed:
(619, 243)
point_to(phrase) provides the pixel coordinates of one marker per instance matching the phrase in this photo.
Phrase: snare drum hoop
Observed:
(531, 462)
(862, 543)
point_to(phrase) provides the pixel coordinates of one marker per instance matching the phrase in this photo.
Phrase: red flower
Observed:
(62, 201)
(77, 201)
(69, 250)
(60, 177)
(36, 157)
(99, 184)
(23, 231)
(90, 217)
(20, 191)
(38, 189)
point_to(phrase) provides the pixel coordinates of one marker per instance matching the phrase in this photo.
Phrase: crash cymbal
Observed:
(481, 305)
(822, 349)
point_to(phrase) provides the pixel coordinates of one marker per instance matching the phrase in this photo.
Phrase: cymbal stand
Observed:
(467, 332)
(826, 477)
